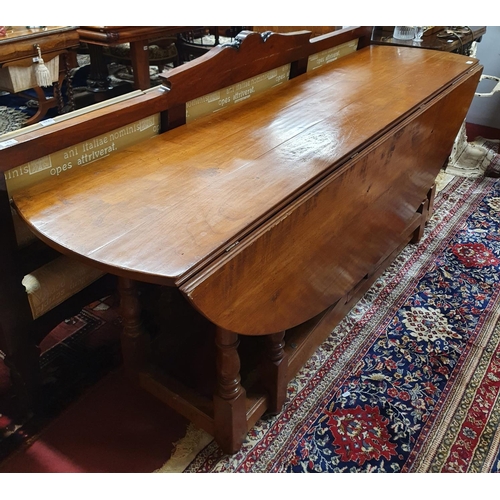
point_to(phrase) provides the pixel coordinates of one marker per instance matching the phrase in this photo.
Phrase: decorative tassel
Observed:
(42, 73)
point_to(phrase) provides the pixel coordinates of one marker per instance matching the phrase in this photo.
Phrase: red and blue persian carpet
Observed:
(410, 380)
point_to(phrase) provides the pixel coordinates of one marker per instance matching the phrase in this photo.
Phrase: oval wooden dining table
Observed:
(267, 213)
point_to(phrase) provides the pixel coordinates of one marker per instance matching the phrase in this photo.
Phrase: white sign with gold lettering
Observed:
(81, 154)
(238, 92)
(320, 58)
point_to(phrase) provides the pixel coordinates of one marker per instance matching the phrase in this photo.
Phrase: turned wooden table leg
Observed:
(274, 371)
(135, 341)
(230, 397)
(98, 79)
(44, 104)
(139, 54)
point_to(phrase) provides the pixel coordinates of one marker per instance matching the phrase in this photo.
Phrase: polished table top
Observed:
(167, 207)
(18, 43)
(111, 35)
(138, 37)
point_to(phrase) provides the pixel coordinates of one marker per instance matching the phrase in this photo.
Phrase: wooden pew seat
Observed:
(41, 287)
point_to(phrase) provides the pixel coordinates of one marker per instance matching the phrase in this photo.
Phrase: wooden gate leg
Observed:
(426, 208)
(274, 371)
(135, 341)
(419, 232)
(229, 400)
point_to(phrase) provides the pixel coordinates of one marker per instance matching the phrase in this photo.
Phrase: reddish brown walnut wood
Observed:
(274, 371)
(19, 44)
(112, 35)
(234, 170)
(229, 399)
(135, 341)
(35, 144)
(19, 48)
(253, 57)
(276, 211)
(285, 284)
(137, 36)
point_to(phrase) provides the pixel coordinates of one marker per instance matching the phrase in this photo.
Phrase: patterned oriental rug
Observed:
(410, 380)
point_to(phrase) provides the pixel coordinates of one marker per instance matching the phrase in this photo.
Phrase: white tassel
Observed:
(42, 73)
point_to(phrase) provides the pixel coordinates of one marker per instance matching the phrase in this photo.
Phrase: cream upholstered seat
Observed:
(53, 282)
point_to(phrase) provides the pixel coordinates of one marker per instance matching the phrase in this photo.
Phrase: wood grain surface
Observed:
(165, 209)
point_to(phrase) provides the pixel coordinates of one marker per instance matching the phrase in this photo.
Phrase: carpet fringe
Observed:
(186, 449)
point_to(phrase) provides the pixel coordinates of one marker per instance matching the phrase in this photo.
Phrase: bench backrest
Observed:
(181, 85)
(252, 63)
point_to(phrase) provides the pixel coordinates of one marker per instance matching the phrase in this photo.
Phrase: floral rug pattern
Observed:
(409, 381)
(11, 119)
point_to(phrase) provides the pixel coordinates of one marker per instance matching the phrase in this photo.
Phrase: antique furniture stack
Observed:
(19, 52)
(287, 174)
